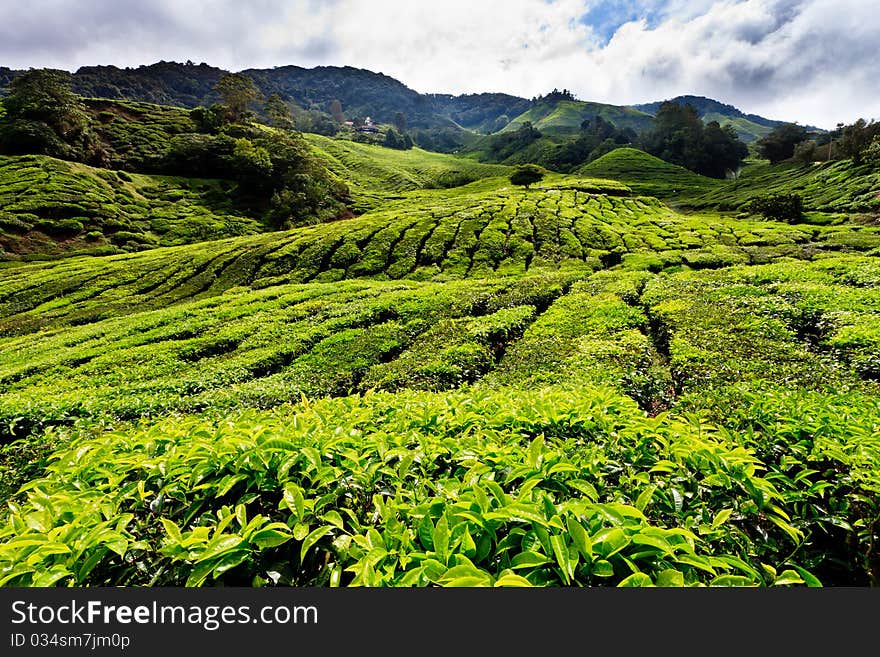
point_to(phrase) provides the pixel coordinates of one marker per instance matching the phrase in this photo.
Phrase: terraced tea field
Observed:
(52, 208)
(468, 384)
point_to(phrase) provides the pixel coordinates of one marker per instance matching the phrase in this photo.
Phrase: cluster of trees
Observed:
(554, 97)
(782, 142)
(859, 142)
(276, 173)
(276, 170)
(398, 140)
(44, 117)
(505, 144)
(597, 137)
(680, 137)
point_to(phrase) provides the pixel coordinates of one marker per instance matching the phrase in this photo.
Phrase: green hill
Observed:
(469, 232)
(376, 174)
(648, 175)
(565, 117)
(575, 378)
(130, 202)
(835, 188)
(52, 208)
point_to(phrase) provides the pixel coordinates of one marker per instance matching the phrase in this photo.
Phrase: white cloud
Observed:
(806, 60)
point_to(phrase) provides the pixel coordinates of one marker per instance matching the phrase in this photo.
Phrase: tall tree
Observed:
(44, 95)
(237, 92)
(679, 136)
(780, 143)
(279, 112)
(526, 175)
(400, 122)
(336, 111)
(856, 139)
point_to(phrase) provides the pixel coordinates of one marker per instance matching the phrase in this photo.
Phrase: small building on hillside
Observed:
(368, 126)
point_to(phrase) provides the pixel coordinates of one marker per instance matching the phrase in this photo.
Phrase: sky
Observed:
(810, 61)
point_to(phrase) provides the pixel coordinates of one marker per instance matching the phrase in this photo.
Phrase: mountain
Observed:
(361, 92)
(750, 127)
(365, 93)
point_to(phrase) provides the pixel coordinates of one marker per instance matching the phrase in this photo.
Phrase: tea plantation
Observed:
(607, 379)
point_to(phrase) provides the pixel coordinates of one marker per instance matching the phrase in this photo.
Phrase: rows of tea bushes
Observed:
(265, 347)
(51, 207)
(452, 235)
(551, 487)
(654, 337)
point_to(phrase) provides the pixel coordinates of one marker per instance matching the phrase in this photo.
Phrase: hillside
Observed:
(470, 232)
(565, 117)
(611, 378)
(835, 188)
(582, 384)
(130, 202)
(52, 208)
(361, 92)
(365, 93)
(749, 127)
(647, 174)
(376, 174)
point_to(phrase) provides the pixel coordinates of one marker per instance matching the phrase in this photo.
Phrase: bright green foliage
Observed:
(262, 348)
(546, 488)
(453, 234)
(51, 207)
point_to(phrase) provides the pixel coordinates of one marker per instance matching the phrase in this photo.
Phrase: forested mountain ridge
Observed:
(365, 93)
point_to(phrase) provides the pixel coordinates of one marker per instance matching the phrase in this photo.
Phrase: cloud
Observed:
(806, 60)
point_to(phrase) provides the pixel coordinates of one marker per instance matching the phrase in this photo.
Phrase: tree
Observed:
(279, 112)
(237, 92)
(44, 95)
(871, 154)
(336, 111)
(779, 144)
(43, 116)
(805, 152)
(394, 139)
(779, 207)
(720, 150)
(526, 175)
(857, 138)
(400, 122)
(679, 137)
(675, 136)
